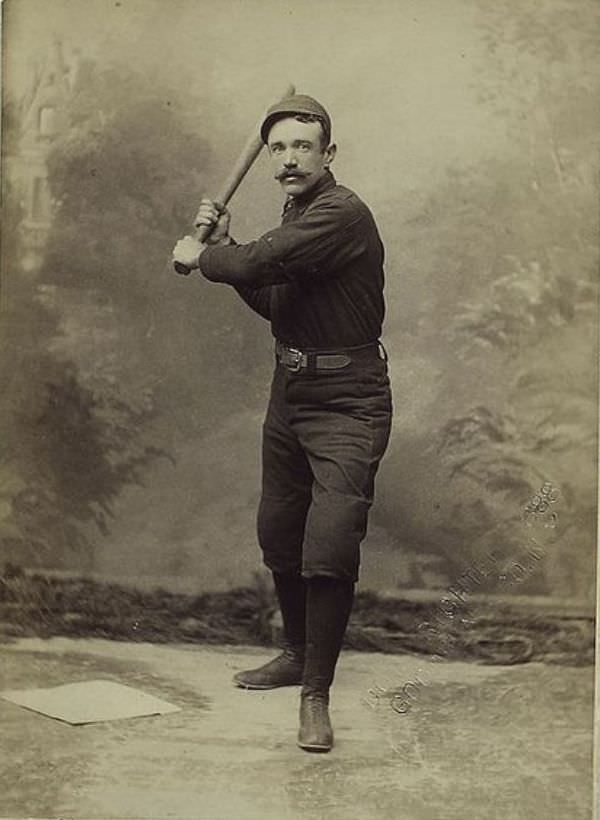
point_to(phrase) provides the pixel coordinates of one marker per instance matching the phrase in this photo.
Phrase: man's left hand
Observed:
(187, 251)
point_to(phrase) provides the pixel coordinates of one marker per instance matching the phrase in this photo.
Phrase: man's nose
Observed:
(289, 160)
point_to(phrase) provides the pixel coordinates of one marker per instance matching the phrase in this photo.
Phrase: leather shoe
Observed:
(316, 734)
(284, 670)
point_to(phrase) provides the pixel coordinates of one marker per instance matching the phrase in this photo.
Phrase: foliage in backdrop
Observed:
(520, 237)
(86, 356)
(115, 370)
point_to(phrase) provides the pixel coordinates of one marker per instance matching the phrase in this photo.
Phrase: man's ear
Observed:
(329, 154)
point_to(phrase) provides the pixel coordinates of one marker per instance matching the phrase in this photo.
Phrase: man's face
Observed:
(298, 157)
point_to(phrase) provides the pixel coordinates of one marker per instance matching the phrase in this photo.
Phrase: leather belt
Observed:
(296, 360)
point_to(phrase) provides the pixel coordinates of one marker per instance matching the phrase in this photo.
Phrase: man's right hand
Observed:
(211, 214)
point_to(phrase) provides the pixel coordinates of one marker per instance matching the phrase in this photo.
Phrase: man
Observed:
(318, 278)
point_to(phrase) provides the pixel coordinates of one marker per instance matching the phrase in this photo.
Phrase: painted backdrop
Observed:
(132, 399)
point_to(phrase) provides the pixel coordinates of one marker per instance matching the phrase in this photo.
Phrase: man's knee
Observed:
(280, 529)
(281, 519)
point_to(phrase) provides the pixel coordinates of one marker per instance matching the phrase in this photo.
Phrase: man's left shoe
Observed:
(284, 670)
(315, 734)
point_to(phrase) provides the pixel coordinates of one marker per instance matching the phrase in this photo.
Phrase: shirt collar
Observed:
(326, 182)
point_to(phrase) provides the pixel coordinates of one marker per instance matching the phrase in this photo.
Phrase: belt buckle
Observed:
(296, 359)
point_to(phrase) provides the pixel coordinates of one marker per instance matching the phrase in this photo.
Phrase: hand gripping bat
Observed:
(244, 161)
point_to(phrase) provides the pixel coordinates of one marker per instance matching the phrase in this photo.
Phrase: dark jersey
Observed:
(318, 278)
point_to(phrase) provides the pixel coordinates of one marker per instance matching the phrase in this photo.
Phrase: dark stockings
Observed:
(328, 606)
(291, 594)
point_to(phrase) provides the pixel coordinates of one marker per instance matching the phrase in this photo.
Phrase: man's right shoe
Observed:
(284, 670)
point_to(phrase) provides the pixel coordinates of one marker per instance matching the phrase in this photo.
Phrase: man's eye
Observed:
(276, 149)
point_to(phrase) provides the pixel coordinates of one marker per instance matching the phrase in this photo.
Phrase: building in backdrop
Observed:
(43, 118)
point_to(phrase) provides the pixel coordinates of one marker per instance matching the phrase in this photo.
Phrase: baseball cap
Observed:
(296, 104)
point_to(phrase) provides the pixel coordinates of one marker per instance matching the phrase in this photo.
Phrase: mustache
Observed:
(289, 172)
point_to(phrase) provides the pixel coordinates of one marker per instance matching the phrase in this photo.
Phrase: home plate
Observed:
(89, 702)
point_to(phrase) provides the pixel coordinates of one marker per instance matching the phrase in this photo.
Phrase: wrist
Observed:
(201, 249)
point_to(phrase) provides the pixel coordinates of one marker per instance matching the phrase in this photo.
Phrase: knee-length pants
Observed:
(324, 435)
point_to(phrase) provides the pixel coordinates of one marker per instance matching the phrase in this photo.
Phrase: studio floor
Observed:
(468, 742)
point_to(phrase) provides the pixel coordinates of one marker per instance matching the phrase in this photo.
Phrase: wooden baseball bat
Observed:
(248, 154)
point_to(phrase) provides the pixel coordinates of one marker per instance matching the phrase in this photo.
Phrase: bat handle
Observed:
(200, 234)
(181, 268)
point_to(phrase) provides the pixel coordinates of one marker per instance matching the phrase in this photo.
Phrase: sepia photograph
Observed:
(299, 409)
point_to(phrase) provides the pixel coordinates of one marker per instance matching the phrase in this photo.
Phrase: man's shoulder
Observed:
(341, 197)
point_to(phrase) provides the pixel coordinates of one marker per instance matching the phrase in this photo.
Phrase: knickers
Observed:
(323, 438)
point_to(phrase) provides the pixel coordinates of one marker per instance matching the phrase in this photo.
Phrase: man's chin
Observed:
(294, 186)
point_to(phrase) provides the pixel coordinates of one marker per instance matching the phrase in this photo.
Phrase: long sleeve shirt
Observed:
(318, 277)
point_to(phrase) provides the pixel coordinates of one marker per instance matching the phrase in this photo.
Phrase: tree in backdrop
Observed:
(105, 339)
(506, 251)
(537, 307)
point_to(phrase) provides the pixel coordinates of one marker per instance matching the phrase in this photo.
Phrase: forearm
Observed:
(257, 297)
(324, 239)
(243, 266)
